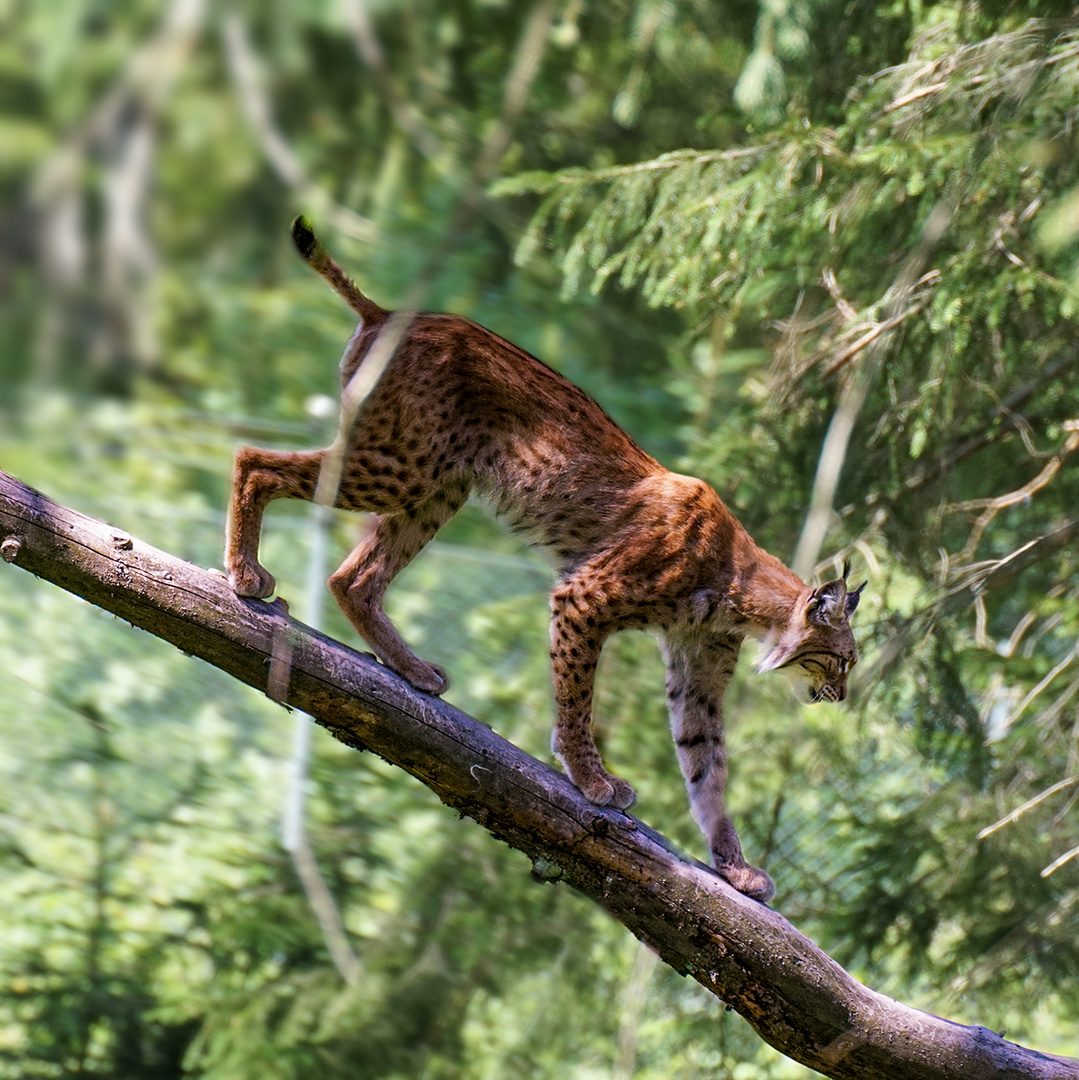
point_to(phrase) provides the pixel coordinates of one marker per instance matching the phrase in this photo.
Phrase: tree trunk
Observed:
(797, 998)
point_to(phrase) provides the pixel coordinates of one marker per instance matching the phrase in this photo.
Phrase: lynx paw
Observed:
(429, 678)
(609, 791)
(755, 883)
(254, 581)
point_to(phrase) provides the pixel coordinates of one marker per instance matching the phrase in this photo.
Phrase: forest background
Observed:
(821, 253)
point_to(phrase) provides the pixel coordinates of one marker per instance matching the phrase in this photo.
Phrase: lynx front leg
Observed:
(698, 672)
(576, 640)
(260, 476)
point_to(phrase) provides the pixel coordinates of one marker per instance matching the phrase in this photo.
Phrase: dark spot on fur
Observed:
(692, 740)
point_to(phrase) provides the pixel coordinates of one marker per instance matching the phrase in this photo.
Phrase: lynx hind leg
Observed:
(360, 584)
(258, 477)
(575, 646)
(698, 673)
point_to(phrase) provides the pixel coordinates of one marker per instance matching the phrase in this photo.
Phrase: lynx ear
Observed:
(832, 603)
(851, 603)
(827, 604)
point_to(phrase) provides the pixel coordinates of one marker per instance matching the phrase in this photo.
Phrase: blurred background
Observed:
(821, 253)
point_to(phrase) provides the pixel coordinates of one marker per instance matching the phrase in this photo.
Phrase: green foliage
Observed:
(787, 255)
(741, 187)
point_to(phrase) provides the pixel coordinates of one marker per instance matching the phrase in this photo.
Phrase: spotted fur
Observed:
(460, 411)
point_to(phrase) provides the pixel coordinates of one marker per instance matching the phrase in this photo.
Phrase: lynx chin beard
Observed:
(810, 688)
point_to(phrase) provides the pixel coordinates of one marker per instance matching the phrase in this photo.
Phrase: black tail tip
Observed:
(303, 236)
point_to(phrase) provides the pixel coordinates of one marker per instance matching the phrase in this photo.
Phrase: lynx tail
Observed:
(322, 262)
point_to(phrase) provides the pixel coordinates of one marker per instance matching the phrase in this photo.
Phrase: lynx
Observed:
(460, 411)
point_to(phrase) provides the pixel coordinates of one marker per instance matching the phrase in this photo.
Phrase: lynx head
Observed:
(816, 648)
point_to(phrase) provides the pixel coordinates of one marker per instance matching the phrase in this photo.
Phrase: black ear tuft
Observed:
(846, 569)
(853, 597)
(303, 236)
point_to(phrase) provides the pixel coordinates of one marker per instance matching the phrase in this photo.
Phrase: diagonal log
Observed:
(796, 997)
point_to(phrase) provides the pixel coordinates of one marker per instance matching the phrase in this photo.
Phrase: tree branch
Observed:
(750, 957)
(833, 453)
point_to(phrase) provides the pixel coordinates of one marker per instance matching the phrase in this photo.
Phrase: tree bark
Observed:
(797, 998)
